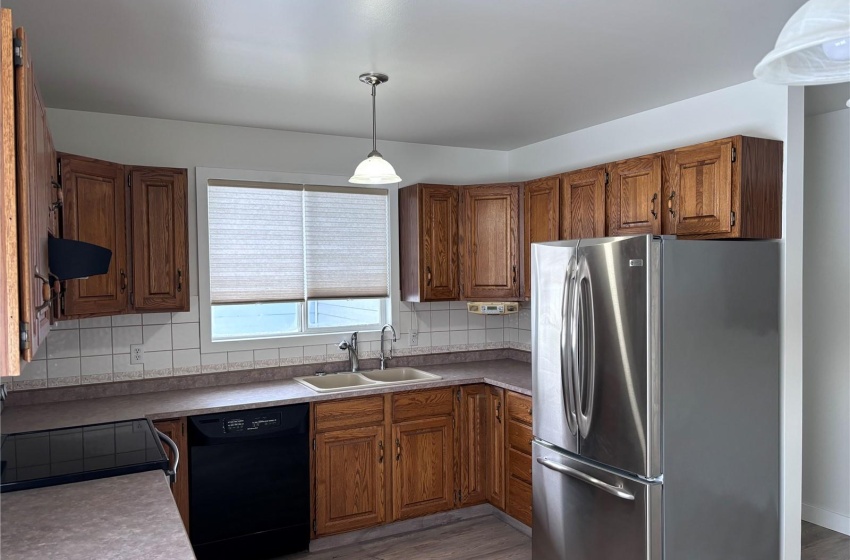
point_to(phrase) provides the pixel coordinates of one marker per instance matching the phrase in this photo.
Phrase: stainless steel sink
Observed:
(334, 382)
(399, 375)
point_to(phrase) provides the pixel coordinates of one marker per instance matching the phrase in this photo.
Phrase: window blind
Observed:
(256, 242)
(346, 240)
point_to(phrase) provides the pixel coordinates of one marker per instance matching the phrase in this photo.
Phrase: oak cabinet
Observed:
(583, 203)
(160, 239)
(634, 196)
(10, 342)
(472, 443)
(428, 230)
(540, 209)
(724, 188)
(490, 247)
(141, 215)
(518, 455)
(176, 430)
(495, 428)
(95, 211)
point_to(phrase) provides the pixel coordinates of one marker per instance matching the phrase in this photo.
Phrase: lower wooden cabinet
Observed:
(518, 455)
(349, 479)
(472, 444)
(176, 430)
(422, 469)
(496, 446)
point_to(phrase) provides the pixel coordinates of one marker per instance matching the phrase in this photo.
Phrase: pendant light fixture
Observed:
(374, 170)
(813, 48)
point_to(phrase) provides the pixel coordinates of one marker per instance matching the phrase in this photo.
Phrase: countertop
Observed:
(508, 374)
(123, 517)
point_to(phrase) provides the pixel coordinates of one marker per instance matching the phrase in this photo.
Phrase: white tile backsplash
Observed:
(123, 337)
(96, 342)
(156, 318)
(63, 344)
(95, 322)
(95, 365)
(185, 335)
(439, 320)
(126, 320)
(157, 337)
(63, 367)
(190, 316)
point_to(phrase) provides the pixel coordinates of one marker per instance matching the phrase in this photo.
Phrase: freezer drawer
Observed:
(582, 512)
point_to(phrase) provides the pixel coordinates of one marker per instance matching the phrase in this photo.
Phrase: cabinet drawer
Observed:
(519, 436)
(519, 465)
(347, 413)
(519, 500)
(519, 408)
(422, 404)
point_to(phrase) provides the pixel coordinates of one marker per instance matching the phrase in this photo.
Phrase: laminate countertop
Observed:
(124, 517)
(509, 374)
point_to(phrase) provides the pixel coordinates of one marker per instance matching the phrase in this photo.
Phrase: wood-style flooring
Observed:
(819, 543)
(474, 539)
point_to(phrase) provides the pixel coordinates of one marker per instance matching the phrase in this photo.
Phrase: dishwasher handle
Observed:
(172, 471)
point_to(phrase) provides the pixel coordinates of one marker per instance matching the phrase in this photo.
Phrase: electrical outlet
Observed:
(414, 339)
(137, 353)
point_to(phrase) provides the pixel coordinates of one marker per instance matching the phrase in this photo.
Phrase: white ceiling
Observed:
(495, 74)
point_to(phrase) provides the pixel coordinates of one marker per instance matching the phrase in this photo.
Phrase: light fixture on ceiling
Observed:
(374, 170)
(813, 48)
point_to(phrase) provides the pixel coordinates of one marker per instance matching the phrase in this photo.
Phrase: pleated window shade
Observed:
(346, 236)
(278, 243)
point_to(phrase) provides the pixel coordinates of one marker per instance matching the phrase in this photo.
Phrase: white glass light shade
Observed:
(374, 170)
(813, 48)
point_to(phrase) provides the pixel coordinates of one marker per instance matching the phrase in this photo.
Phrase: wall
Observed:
(97, 350)
(826, 303)
(751, 108)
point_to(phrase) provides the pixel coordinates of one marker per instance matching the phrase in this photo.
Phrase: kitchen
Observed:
(224, 140)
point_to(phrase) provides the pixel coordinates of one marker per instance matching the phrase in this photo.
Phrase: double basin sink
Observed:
(333, 382)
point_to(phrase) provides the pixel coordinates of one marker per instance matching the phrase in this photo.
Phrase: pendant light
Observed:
(813, 48)
(374, 170)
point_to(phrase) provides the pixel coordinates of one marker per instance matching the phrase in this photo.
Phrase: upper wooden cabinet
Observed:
(540, 220)
(428, 230)
(160, 239)
(634, 196)
(37, 200)
(489, 244)
(583, 203)
(141, 215)
(725, 188)
(95, 211)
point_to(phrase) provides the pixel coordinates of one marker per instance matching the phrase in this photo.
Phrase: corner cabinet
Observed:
(141, 215)
(428, 230)
(489, 245)
(540, 220)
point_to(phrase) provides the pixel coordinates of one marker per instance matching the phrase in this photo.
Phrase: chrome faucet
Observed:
(384, 357)
(351, 346)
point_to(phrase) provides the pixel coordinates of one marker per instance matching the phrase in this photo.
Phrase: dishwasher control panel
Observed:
(254, 423)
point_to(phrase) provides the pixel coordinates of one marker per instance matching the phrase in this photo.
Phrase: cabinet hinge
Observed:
(459, 497)
(18, 52)
(733, 217)
(607, 178)
(132, 298)
(457, 395)
(59, 170)
(129, 181)
(734, 154)
(25, 336)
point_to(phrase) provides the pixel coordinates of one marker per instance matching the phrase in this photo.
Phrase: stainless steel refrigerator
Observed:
(656, 383)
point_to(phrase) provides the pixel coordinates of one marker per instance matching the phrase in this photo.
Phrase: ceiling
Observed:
(473, 73)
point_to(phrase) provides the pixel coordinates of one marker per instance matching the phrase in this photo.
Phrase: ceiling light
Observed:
(813, 48)
(374, 170)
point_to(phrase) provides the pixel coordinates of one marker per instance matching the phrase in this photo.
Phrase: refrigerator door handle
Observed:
(567, 353)
(587, 375)
(618, 490)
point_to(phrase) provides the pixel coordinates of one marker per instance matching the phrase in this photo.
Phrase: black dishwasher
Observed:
(250, 483)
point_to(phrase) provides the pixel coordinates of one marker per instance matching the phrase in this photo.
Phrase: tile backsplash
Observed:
(97, 350)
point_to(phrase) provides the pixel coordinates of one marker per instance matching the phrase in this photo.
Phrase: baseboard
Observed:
(826, 518)
(515, 523)
(401, 527)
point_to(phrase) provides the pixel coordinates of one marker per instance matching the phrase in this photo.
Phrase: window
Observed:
(292, 259)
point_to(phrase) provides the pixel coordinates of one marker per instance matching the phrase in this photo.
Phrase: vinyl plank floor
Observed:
(473, 539)
(820, 543)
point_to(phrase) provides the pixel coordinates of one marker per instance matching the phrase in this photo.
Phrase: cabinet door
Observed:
(438, 238)
(176, 430)
(95, 211)
(9, 299)
(490, 267)
(160, 239)
(540, 220)
(496, 447)
(634, 196)
(473, 444)
(422, 467)
(583, 204)
(349, 479)
(699, 189)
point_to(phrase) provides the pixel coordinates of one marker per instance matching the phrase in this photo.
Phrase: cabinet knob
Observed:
(427, 275)
(499, 412)
(397, 450)
(123, 281)
(381, 451)
(179, 280)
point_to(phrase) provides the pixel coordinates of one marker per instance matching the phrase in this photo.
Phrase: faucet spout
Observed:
(351, 346)
(384, 357)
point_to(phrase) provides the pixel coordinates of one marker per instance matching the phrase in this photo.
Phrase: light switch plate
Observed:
(137, 353)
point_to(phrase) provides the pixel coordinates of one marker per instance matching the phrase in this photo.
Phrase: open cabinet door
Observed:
(9, 327)
(37, 209)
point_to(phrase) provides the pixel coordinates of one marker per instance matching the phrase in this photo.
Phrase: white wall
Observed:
(826, 322)
(753, 109)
